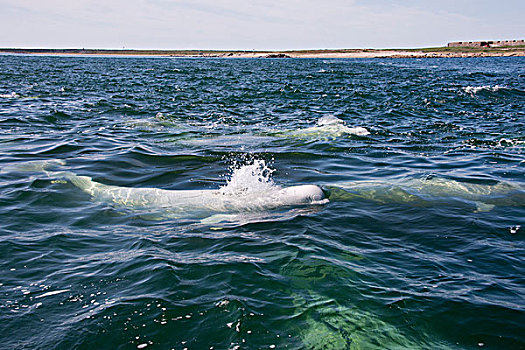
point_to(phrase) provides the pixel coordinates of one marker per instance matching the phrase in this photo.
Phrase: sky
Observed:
(256, 24)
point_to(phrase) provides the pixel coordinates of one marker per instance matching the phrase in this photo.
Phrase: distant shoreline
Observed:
(339, 53)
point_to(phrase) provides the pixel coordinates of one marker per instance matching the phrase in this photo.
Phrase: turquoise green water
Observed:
(419, 246)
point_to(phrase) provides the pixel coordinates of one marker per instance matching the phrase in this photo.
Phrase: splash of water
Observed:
(249, 179)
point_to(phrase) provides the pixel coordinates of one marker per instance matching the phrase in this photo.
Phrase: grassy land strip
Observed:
(421, 52)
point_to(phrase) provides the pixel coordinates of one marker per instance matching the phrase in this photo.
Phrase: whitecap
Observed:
(472, 90)
(11, 95)
(52, 293)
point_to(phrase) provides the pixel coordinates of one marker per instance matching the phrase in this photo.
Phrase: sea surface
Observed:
(419, 246)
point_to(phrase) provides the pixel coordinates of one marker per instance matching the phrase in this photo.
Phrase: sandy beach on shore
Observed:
(383, 54)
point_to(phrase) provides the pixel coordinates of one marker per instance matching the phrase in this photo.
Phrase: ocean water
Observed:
(420, 244)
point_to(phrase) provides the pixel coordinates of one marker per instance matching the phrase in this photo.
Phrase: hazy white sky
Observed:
(255, 24)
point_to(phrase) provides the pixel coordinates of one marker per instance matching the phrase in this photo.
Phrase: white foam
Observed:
(510, 142)
(472, 90)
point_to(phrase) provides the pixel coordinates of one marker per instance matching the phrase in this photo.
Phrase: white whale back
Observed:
(427, 191)
(328, 126)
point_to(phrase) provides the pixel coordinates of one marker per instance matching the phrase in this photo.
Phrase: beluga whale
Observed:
(431, 191)
(249, 192)
(327, 127)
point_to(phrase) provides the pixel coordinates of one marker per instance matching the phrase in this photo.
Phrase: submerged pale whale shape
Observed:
(327, 127)
(430, 191)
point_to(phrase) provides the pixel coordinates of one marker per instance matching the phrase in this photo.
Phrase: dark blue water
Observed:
(421, 245)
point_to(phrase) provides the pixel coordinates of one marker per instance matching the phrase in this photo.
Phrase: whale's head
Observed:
(304, 194)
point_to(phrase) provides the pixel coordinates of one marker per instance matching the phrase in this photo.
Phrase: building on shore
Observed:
(488, 43)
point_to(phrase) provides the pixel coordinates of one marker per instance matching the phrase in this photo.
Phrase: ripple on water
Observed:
(389, 267)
